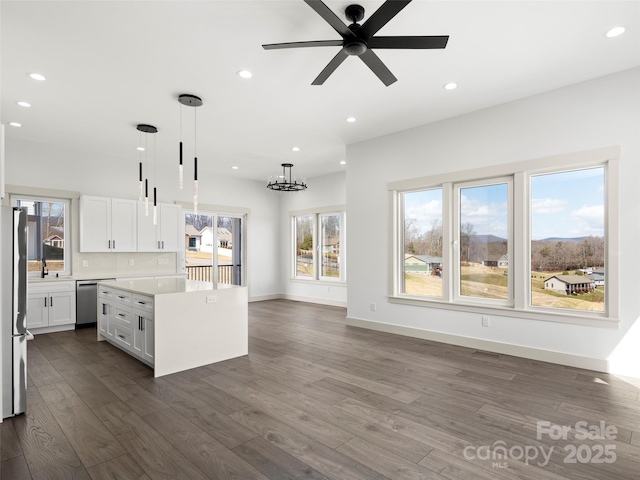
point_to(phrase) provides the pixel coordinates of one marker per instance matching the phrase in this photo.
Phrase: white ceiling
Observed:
(113, 64)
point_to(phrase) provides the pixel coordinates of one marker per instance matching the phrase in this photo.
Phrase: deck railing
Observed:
(203, 273)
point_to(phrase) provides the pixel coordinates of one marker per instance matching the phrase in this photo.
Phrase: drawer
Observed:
(123, 316)
(143, 303)
(123, 336)
(125, 298)
(105, 292)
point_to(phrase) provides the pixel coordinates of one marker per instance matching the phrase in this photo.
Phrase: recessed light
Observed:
(235, 167)
(244, 74)
(615, 31)
(24, 104)
(351, 119)
(343, 162)
(141, 149)
(450, 86)
(15, 124)
(38, 76)
(295, 149)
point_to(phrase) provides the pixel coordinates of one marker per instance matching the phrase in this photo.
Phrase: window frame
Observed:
(66, 251)
(457, 224)
(520, 245)
(316, 216)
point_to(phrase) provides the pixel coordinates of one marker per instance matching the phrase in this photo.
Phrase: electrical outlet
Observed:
(131, 262)
(211, 299)
(85, 263)
(485, 321)
(373, 307)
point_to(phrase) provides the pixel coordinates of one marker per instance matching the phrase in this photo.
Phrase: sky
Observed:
(564, 205)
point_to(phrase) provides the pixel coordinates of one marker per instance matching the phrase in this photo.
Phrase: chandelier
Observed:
(285, 183)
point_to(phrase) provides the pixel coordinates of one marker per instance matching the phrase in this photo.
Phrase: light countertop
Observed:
(165, 286)
(72, 278)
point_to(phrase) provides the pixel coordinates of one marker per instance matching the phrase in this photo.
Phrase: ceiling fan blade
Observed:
(380, 17)
(330, 68)
(318, 43)
(409, 42)
(331, 18)
(372, 61)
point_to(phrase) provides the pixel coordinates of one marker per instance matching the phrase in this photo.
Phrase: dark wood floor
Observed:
(316, 400)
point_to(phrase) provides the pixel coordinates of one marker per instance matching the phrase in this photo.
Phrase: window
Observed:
(47, 234)
(529, 237)
(483, 238)
(568, 240)
(318, 246)
(422, 243)
(304, 246)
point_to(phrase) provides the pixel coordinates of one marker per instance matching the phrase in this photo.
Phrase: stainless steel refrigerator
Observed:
(14, 311)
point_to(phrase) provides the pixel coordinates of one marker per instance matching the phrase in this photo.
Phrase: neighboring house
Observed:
(192, 238)
(501, 262)
(54, 241)
(569, 284)
(331, 245)
(224, 239)
(421, 263)
(598, 279)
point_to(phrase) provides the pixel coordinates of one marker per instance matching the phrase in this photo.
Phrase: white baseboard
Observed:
(262, 298)
(298, 298)
(588, 363)
(321, 301)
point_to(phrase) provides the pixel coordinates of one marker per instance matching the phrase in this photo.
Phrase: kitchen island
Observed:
(174, 324)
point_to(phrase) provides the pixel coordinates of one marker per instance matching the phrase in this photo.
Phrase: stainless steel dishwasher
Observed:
(87, 302)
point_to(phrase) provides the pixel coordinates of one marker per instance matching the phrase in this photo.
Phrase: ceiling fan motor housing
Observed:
(354, 13)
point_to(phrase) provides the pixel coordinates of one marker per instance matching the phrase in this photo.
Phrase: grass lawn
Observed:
(491, 282)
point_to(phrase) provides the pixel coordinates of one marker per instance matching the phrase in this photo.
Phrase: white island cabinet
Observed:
(174, 324)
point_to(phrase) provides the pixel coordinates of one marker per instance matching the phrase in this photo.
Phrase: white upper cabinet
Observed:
(107, 224)
(163, 237)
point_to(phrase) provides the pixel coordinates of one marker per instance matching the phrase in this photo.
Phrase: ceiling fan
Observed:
(359, 40)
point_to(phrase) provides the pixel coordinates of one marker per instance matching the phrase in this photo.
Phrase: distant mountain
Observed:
(488, 239)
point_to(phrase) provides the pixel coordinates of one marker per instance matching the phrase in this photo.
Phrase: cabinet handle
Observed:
(45, 301)
(51, 301)
(104, 308)
(121, 315)
(109, 244)
(142, 303)
(121, 296)
(121, 336)
(162, 244)
(141, 324)
(114, 244)
(158, 244)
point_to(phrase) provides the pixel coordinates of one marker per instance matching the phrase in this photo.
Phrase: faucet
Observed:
(44, 264)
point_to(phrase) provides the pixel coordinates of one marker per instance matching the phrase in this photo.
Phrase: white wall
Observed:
(325, 191)
(92, 173)
(598, 113)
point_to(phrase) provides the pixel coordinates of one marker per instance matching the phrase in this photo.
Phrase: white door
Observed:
(170, 216)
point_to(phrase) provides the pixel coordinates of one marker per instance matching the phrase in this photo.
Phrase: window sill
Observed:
(313, 281)
(542, 315)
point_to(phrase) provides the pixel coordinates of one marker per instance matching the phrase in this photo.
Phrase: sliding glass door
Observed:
(214, 254)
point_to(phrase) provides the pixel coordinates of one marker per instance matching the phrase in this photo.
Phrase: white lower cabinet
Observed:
(126, 320)
(51, 305)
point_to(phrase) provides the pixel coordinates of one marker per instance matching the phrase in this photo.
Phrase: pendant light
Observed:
(147, 129)
(192, 101)
(181, 166)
